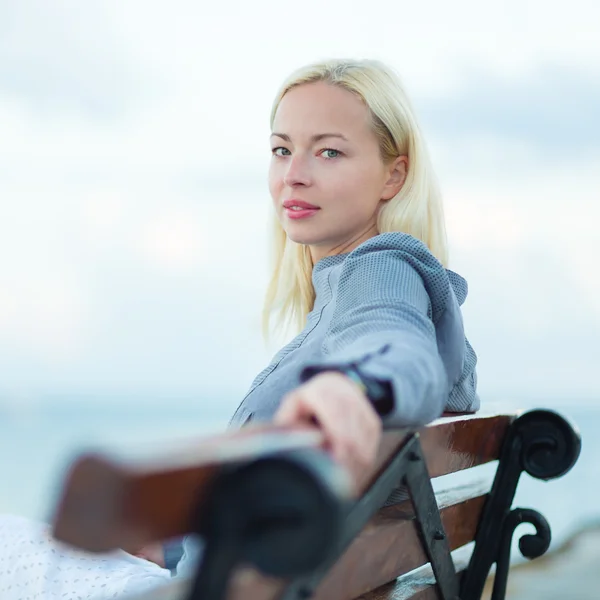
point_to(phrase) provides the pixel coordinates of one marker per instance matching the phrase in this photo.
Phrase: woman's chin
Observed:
(301, 237)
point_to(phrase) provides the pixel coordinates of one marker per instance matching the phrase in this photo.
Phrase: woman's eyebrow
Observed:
(315, 138)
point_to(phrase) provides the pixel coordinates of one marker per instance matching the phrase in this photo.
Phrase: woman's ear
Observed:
(397, 170)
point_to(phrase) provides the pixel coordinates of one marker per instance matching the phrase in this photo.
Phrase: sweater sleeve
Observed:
(391, 293)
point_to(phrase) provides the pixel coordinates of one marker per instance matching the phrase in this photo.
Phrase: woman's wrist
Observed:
(356, 379)
(379, 393)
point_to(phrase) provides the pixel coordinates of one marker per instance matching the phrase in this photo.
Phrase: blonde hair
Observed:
(417, 209)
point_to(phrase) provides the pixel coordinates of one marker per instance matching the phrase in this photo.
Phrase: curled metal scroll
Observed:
(550, 444)
(545, 445)
(530, 545)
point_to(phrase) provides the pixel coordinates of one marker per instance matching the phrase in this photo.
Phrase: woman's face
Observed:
(326, 156)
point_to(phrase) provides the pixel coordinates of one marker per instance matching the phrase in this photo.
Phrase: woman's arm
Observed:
(390, 292)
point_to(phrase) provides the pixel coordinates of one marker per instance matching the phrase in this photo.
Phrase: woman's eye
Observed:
(280, 151)
(331, 153)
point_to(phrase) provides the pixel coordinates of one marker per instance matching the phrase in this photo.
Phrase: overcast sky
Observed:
(133, 198)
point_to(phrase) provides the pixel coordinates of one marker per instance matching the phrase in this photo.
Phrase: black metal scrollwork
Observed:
(545, 445)
(550, 444)
(531, 546)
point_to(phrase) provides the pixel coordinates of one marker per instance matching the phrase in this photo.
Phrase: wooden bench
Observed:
(282, 522)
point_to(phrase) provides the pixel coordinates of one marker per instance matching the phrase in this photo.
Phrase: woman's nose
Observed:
(297, 173)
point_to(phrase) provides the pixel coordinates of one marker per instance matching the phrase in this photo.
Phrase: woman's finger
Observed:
(351, 431)
(292, 409)
(350, 425)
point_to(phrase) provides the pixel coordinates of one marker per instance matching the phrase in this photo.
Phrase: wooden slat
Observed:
(454, 444)
(450, 444)
(420, 584)
(415, 590)
(112, 503)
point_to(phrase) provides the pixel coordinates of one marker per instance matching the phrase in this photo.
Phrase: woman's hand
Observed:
(153, 552)
(341, 410)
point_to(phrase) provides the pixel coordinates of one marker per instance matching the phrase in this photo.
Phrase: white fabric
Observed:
(34, 566)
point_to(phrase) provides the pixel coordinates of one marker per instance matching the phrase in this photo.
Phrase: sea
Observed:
(39, 442)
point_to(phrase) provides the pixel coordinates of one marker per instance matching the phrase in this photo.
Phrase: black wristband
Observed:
(380, 393)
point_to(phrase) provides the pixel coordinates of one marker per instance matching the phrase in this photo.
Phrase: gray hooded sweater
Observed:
(392, 307)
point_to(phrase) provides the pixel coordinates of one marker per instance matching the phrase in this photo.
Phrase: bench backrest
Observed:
(108, 504)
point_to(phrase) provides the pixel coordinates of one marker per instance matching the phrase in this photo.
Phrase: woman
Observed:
(360, 254)
(360, 249)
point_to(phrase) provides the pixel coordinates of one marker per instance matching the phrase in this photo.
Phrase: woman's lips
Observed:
(301, 213)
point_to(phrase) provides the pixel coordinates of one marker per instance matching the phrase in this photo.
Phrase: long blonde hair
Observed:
(417, 209)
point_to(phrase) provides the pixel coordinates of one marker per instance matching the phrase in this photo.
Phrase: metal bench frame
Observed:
(302, 532)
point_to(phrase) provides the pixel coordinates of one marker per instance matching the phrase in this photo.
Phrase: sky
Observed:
(134, 206)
